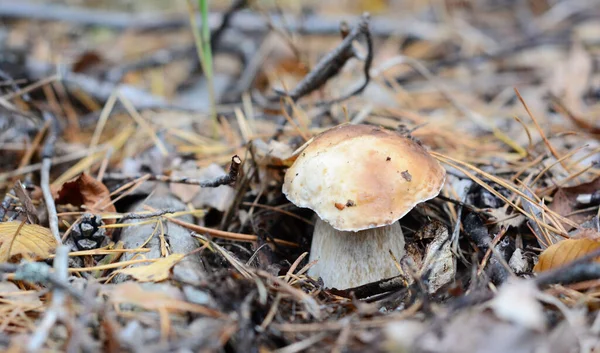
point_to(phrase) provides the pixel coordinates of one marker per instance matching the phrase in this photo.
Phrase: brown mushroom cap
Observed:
(358, 177)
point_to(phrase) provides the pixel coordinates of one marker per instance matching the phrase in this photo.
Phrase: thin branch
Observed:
(227, 179)
(333, 62)
(246, 22)
(371, 289)
(61, 266)
(134, 215)
(579, 270)
(47, 154)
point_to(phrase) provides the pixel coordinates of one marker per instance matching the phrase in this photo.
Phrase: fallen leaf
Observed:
(439, 258)
(518, 262)
(156, 271)
(85, 190)
(565, 201)
(564, 252)
(167, 298)
(503, 219)
(30, 210)
(18, 240)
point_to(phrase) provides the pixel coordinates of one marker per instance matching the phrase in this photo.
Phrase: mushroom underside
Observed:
(350, 259)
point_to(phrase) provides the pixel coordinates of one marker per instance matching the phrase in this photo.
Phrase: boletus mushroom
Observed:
(360, 180)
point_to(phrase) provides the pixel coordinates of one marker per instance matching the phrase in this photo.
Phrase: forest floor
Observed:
(143, 147)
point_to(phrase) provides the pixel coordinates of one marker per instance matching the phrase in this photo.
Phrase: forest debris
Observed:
(333, 63)
(156, 271)
(478, 63)
(273, 153)
(86, 191)
(162, 237)
(10, 291)
(245, 22)
(56, 309)
(439, 263)
(516, 302)
(170, 300)
(219, 198)
(20, 240)
(565, 200)
(87, 233)
(571, 77)
(503, 219)
(518, 262)
(47, 154)
(30, 210)
(402, 335)
(563, 252)
(228, 179)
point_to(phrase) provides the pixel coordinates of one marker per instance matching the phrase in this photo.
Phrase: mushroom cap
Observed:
(358, 177)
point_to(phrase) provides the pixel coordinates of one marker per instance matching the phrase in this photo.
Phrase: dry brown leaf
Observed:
(564, 202)
(156, 271)
(18, 240)
(85, 190)
(170, 300)
(564, 252)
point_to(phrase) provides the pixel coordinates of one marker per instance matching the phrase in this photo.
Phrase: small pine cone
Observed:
(87, 234)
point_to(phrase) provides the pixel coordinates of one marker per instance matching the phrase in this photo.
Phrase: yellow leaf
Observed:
(156, 271)
(18, 240)
(564, 252)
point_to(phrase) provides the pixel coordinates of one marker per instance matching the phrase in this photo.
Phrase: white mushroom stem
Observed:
(350, 259)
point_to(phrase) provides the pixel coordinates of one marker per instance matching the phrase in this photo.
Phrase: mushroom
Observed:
(360, 180)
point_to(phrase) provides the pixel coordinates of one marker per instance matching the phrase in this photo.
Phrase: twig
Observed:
(215, 36)
(61, 265)
(573, 274)
(135, 215)
(478, 233)
(371, 289)
(228, 179)
(47, 154)
(39, 272)
(333, 63)
(247, 22)
(579, 270)
(227, 235)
